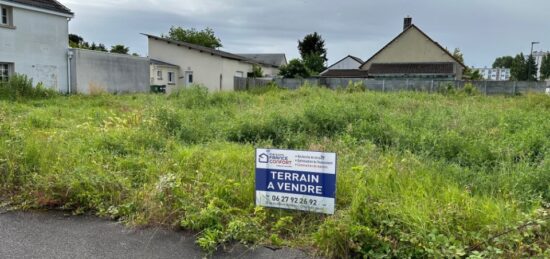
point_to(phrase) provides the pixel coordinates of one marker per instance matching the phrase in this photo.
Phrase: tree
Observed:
(313, 52)
(545, 68)
(315, 63)
(120, 49)
(313, 44)
(75, 40)
(532, 68)
(519, 68)
(503, 62)
(468, 72)
(205, 37)
(457, 54)
(295, 69)
(101, 47)
(257, 71)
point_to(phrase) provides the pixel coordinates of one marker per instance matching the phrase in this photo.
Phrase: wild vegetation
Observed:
(419, 175)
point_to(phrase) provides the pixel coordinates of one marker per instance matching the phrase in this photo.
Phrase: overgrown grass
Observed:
(419, 175)
(20, 87)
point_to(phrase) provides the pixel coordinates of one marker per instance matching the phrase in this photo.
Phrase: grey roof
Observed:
(161, 63)
(212, 51)
(51, 5)
(356, 59)
(274, 59)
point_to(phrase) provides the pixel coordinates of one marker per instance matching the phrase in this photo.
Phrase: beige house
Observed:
(194, 64)
(413, 54)
(165, 75)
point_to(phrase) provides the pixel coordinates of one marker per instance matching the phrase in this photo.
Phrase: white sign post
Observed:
(296, 180)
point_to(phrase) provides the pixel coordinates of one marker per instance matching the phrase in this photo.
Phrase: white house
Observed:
(209, 67)
(34, 41)
(164, 74)
(495, 74)
(348, 67)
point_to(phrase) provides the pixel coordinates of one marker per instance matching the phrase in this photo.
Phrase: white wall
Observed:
(37, 47)
(206, 68)
(95, 71)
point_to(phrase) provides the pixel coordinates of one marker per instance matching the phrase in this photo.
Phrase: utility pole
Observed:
(529, 65)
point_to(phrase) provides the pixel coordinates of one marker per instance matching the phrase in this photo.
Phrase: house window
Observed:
(170, 77)
(159, 75)
(4, 72)
(6, 16)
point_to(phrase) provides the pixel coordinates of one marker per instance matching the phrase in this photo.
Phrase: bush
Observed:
(20, 87)
(470, 89)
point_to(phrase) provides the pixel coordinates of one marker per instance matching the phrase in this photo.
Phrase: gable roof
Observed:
(51, 5)
(356, 59)
(438, 68)
(274, 59)
(211, 51)
(425, 35)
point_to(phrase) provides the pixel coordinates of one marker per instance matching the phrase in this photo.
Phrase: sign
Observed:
(296, 180)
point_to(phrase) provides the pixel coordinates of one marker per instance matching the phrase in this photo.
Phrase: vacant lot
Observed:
(419, 175)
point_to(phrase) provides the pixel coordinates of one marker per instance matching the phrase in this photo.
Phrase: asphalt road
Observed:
(56, 235)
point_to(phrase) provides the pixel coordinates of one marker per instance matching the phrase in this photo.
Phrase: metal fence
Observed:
(243, 83)
(484, 87)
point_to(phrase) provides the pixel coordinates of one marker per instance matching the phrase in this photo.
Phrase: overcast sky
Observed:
(482, 29)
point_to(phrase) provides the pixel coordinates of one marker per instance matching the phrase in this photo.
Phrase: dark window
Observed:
(170, 77)
(190, 78)
(4, 72)
(4, 16)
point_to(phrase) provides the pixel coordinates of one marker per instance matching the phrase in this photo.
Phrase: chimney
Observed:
(408, 22)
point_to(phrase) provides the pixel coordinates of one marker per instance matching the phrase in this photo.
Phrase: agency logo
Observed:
(263, 158)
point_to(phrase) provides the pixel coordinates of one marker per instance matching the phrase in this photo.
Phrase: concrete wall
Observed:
(37, 46)
(214, 72)
(94, 71)
(170, 86)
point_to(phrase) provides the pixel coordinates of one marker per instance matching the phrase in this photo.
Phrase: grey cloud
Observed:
(483, 30)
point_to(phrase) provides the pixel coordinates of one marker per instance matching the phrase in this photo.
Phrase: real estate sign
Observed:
(297, 180)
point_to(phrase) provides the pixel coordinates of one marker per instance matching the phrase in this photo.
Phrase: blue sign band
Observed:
(306, 183)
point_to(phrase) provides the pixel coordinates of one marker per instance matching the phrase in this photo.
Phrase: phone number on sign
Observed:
(291, 200)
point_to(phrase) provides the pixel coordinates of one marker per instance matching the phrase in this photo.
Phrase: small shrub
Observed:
(470, 89)
(354, 87)
(20, 87)
(447, 88)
